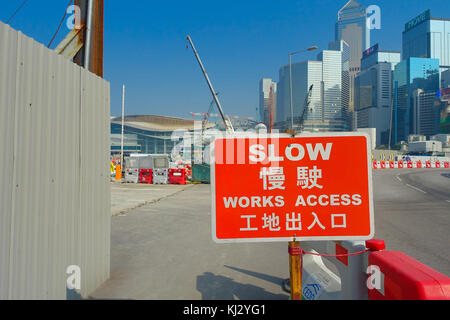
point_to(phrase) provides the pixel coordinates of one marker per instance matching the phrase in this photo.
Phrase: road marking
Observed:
(448, 201)
(398, 178)
(415, 188)
(138, 189)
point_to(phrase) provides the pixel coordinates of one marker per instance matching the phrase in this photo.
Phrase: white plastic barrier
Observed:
(320, 283)
(160, 176)
(132, 175)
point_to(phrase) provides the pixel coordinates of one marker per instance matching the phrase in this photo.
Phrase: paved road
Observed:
(412, 214)
(164, 250)
(128, 196)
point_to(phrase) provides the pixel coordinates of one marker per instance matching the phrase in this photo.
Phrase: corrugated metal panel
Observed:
(54, 191)
(8, 49)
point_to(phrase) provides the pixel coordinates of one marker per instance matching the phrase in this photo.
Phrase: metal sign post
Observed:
(279, 187)
(295, 270)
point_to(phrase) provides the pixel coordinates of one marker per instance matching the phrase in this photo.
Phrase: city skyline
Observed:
(235, 61)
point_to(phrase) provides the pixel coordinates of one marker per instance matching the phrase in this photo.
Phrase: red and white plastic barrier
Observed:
(404, 278)
(146, 176)
(397, 276)
(177, 176)
(410, 164)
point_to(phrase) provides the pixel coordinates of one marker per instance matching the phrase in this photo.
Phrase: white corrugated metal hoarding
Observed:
(54, 181)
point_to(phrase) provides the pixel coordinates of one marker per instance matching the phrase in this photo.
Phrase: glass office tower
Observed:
(428, 37)
(324, 112)
(353, 29)
(410, 75)
(266, 101)
(344, 48)
(304, 74)
(373, 91)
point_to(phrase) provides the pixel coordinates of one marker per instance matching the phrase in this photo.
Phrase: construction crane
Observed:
(205, 120)
(206, 115)
(227, 123)
(305, 106)
(270, 109)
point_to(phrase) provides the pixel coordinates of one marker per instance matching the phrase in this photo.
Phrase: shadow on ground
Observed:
(217, 287)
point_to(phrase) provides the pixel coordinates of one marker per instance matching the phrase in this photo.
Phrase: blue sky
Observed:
(239, 42)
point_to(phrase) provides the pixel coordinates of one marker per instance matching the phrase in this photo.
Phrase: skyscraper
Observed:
(304, 74)
(373, 91)
(426, 110)
(427, 37)
(410, 75)
(445, 79)
(344, 48)
(324, 112)
(267, 101)
(352, 27)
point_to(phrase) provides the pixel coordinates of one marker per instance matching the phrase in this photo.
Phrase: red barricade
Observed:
(404, 278)
(446, 164)
(391, 164)
(374, 165)
(146, 176)
(177, 176)
(410, 164)
(437, 164)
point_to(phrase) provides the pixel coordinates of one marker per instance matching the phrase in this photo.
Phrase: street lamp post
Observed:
(290, 80)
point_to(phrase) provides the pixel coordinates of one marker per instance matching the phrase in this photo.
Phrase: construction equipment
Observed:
(305, 107)
(270, 109)
(227, 123)
(207, 115)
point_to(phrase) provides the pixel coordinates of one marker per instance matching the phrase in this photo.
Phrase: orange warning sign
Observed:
(275, 187)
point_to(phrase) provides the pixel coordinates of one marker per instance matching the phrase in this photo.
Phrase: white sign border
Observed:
(284, 135)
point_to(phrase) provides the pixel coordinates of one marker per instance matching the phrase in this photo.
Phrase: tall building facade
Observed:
(409, 75)
(426, 111)
(373, 91)
(352, 27)
(304, 74)
(427, 37)
(324, 112)
(444, 98)
(344, 48)
(267, 101)
(445, 79)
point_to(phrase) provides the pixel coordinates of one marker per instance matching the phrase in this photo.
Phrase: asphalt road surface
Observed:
(164, 250)
(412, 214)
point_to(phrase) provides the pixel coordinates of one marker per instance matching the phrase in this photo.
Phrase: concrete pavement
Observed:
(128, 196)
(164, 250)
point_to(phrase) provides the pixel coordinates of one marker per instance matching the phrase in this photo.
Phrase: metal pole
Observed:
(213, 92)
(123, 121)
(295, 269)
(390, 123)
(290, 92)
(88, 34)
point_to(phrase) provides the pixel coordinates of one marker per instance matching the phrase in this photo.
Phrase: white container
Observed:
(425, 146)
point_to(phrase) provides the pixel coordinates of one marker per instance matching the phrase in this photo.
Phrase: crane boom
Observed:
(228, 124)
(306, 104)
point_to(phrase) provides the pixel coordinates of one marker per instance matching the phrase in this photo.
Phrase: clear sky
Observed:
(239, 42)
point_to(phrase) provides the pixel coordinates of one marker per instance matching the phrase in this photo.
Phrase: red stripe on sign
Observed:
(341, 250)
